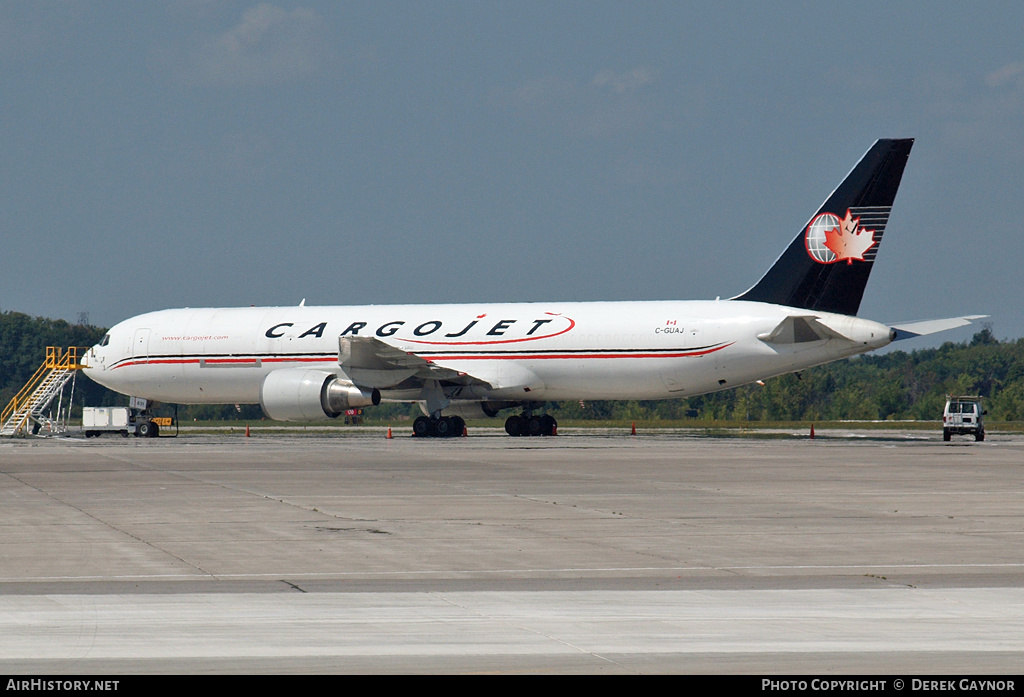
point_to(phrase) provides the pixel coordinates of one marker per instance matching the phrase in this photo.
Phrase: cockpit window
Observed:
(105, 340)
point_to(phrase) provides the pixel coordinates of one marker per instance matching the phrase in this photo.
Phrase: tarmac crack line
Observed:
(111, 526)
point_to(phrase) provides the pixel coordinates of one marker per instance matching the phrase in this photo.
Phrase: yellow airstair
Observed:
(24, 414)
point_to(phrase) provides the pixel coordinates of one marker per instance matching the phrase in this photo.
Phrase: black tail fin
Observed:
(826, 267)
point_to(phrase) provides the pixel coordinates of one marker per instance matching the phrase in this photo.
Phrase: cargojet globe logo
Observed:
(830, 238)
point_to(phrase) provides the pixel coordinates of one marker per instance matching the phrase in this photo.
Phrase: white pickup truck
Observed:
(963, 416)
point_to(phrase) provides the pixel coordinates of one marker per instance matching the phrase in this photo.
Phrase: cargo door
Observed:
(955, 419)
(690, 372)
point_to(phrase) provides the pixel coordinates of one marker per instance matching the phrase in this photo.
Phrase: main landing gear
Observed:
(455, 426)
(529, 425)
(441, 427)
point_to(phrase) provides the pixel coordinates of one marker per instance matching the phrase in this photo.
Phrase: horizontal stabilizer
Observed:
(908, 330)
(798, 329)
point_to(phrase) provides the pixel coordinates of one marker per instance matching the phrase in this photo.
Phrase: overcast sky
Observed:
(199, 153)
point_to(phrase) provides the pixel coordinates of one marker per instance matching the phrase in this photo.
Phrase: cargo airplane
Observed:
(303, 363)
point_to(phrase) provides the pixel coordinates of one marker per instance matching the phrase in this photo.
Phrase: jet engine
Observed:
(305, 394)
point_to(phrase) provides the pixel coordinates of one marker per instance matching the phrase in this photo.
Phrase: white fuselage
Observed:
(527, 351)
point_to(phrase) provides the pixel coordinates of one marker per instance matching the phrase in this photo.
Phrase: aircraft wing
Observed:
(908, 330)
(371, 362)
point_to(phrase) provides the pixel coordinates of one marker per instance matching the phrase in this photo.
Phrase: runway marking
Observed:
(632, 626)
(470, 572)
(522, 626)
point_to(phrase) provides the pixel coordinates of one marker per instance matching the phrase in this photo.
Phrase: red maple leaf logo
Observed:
(847, 241)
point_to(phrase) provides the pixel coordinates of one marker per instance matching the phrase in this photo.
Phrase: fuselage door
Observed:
(681, 374)
(140, 344)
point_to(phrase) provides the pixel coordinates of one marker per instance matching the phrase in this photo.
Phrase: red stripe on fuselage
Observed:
(185, 361)
(456, 357)
(531, 357)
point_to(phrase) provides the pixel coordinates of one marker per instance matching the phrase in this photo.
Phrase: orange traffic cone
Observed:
(247, 430)
(633, 433)
(812, 430)
(389, 431)
(465, 431)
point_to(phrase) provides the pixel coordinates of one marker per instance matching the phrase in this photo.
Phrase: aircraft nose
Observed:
(90, 360)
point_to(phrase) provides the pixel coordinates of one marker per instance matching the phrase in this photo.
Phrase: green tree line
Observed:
(23, 342)
(895, 385)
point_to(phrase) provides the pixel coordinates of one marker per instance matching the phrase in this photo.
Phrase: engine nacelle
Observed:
(305, 394)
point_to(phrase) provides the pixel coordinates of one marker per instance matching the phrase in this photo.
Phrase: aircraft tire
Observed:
(548, 425)
(423, 427)
(514, 425)
(443, 427)
(458, 426)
